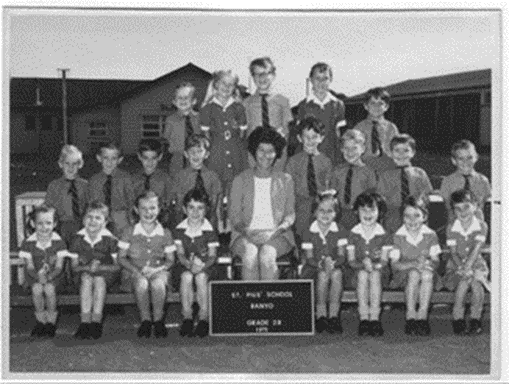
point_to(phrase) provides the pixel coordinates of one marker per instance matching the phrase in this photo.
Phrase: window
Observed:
(152, 125)
(30, 123)
(47, 123)
(97, 130)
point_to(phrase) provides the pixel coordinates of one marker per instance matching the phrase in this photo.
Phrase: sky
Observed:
(364, 48)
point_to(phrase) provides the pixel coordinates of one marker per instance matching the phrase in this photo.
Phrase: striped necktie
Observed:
(312, 187)
(467, 182)
(348, 185)
(107, 191)
(73, 191)
(147, 182)
(265, 111)
(405, 187)
(189, 126)
(199, 184)
(376, 145)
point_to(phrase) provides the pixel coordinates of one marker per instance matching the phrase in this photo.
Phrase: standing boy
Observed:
(310, 171)
(352, 178)
(265, 107)
(404, 180)
(378, 131)
(326, 108)
(180, 125)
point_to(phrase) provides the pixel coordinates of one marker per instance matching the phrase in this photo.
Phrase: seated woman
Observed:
(262, 208)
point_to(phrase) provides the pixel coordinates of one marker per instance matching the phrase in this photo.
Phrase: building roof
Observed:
(438, 84)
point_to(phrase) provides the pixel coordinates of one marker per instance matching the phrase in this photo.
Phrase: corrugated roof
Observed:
(454, 81)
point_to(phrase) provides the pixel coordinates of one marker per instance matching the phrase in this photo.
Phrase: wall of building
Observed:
(21, 140)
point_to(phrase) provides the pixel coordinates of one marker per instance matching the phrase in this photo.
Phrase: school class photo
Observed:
(150, 194)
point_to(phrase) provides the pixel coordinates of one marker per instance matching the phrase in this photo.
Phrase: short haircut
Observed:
(371, 199)
(353, 135)
(403, 138)
(43, 208)
(266, 135)
(150, 145)
(196, 194)
(310, 122)
(462, 144)
(462, 196)
(97, 205)
(218, 75)
(71, 151)
(320, 68)
(110, 145)
(264, 62)
(332, 195)
(197, 140)
(377, 93)
(145, 195)
(185, 84)
(417, 203)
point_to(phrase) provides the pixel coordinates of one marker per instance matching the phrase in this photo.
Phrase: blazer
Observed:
(242, 203)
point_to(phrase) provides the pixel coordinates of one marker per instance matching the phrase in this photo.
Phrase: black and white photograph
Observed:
(210, 193)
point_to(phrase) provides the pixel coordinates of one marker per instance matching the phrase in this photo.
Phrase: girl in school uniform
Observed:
(415, 257)
(325, 257)
(368, 247)
(44, 253)
(95, 249)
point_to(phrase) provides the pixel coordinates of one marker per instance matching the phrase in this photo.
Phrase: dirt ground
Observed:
(442, 353)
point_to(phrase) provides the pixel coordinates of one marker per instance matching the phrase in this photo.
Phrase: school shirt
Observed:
(325, 245)
(407, 248)
(175, 130)
(466, 239)
(279, 110)
(160, 183)
(363, 178)
(386, 131)
(122, 191)
(479, 185)
(331, 112)
(147, 249)
(58, 196)
(185, 181)
(365, 246)
(100, 249)
(197, 242)
(389, 185)
(30, 247)
(297, 167)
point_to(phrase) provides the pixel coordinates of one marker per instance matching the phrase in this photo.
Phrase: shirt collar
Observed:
(139, 230)
(474, 226)
(315, 228)
(54, 237)
(269, 94)
(409, 238)
(192, 112)
(102, 233)
(329, 97)
(190, 232)
(359, 229)
(230, 101)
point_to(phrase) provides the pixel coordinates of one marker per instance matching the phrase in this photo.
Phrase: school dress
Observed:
(227, 153)
(197, 244)
(331, 112)
(324, 246)
(102, 249)
(366, 247)
(407, 248)
(40, 256)
(465, 242)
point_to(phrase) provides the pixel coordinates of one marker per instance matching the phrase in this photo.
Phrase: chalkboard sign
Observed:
(260, 308)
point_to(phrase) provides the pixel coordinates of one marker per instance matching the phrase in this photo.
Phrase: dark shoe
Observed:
(160, 329)
(145, 329)
(321, 324)
(364, 328)
(50, 330)
(186, 329)
(475, 327)
(426, 329)
(410, 327)
(81, 332)
(95, 330)
(38, 330)
(202, 328)
(334, 325)
(377, 329)
(458, 326)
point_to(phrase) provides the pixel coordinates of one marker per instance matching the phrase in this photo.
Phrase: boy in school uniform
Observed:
(180, 125)
(310, 170)
(265, 107)
(404, 180)
(152, 178)
(464, 156)
(196, 176)
(68, 194)
(378, 131)
(353, 177)
(325, 107)
(113, 187)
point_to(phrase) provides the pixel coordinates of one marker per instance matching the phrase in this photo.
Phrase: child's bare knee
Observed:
(186, 277)
(37, 289)
(49, 289)
(141, 285)
(427, 276)
(362, 276)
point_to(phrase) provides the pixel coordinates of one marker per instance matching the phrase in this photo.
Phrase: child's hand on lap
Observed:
(368, 265)
(328, 264)
(197, 266)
